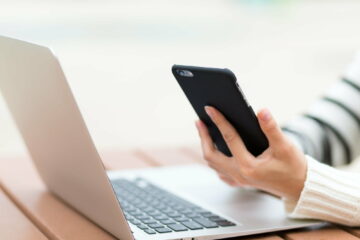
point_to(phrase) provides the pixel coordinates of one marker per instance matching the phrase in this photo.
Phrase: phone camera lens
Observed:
(185, 73)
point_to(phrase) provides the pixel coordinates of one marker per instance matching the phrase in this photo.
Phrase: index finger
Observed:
(230, 135)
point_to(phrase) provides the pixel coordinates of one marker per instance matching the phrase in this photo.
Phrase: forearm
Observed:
(328, 194)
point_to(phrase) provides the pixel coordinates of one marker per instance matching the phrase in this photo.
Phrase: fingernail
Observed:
(208, 111)
(265, 115)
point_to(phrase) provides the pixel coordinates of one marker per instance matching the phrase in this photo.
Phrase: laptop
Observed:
(181, 202)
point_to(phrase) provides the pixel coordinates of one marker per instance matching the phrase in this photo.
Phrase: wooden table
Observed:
(29, 212)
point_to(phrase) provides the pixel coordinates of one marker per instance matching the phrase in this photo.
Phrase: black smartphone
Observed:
(218, 88)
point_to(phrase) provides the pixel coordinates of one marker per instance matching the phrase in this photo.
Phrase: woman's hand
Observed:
(280, 169)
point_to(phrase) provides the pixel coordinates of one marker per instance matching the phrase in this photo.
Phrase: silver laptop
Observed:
(182, 202)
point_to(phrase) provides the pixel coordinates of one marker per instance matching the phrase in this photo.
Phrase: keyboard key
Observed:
(154, 213)
(161, 217)
(142, 205)
(167, 221)
(192, 225)
(147, 206)
(156, 225)
(161, 206)
(185, 211)
(149, 221)
(143, 217)
(135, 222)
(163, 230)
(181, 219)
(194, 208)
(202, 211)
(173, 214)
(216, 219)
(208, 215)
(192, 215)
(225, 223)
(142, 226)
(205, 222)
(148, 209)
(149, 231)
(133, 211)
(130, 219)
(177, 227)
(166, 210)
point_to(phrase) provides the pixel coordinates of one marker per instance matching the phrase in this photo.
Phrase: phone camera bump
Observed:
(185, 73)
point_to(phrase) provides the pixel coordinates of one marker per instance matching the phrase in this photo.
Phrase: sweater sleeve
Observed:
(329, 130)
(329, 194)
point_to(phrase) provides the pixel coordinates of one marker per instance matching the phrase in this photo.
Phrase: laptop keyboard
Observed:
(155, 210)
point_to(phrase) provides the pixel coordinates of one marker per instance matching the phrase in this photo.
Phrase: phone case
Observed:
(218, 88)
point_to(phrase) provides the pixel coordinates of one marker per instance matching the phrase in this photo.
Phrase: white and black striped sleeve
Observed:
(330, 130)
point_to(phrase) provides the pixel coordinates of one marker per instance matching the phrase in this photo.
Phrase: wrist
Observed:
(298, 178)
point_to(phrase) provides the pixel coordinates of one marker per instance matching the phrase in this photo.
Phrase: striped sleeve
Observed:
(329, 194)
(330, 129)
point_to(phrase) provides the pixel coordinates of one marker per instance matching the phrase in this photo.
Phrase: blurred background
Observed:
(117, 56)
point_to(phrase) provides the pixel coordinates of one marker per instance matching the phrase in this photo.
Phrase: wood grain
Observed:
(59, 221)
(271, 237)
(55, 219)
(14, 225)
(328, 233)
(352, 230)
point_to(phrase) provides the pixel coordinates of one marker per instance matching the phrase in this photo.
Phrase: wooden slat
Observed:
(271, 237)
(353, 231)
(58, 221)
(55, 219)
(14, 225)
(328, 233)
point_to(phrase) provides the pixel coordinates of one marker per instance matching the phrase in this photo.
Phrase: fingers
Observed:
(208, 148)
(229, 134)
(271, 129)
(222, 164)
(215, 159)
(227, 179)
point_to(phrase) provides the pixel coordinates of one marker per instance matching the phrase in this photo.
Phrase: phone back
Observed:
(218, 88)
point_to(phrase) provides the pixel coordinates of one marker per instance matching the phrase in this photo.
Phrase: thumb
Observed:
(270, 128)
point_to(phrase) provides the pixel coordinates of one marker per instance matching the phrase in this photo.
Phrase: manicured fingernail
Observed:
(208, 111)
(265, 115)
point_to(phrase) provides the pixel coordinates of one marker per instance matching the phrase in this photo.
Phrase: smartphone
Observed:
(218, 88)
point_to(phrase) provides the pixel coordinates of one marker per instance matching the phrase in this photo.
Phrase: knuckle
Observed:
(221, 176)
(229, 136)
(287, 148)
(248, 172)
(210, 165)
(241, 182)
(272, 126)
(207, 155)
(213, 166)
(225, 179)
(216, 121)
